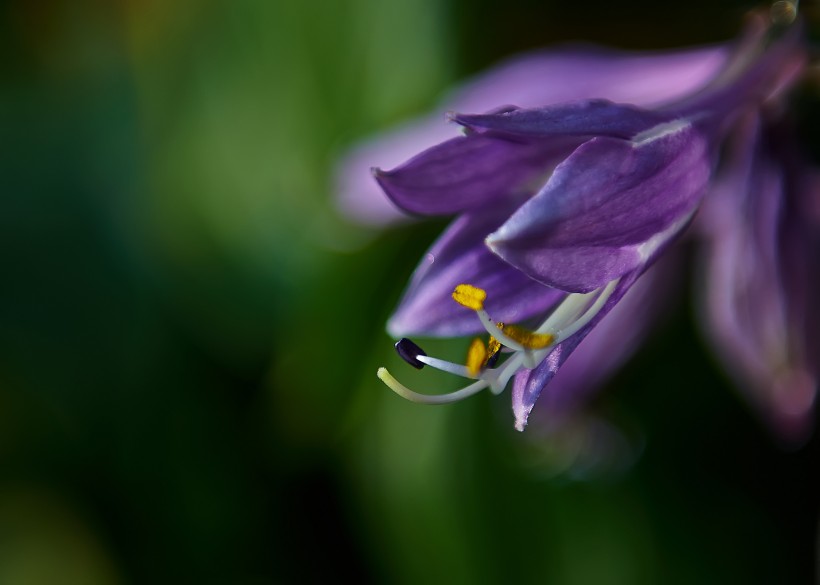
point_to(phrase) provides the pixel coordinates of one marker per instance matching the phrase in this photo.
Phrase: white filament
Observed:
(590, 314)
(445, 366)
(573, 314)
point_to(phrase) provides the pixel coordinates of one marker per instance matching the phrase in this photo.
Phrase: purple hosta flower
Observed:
(576, 246)
(560, 210)
(761, 225)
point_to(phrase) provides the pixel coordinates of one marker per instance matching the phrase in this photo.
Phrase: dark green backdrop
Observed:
(189, 333)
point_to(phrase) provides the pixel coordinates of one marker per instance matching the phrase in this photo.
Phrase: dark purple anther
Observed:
(409, 352)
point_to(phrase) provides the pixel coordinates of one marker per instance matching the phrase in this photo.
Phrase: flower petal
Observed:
(460, 256)
(470, 172)
(576, 72)
(595, 117)
(604, 209)
(359, 196)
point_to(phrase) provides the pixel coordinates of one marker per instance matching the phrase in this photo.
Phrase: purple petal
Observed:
(580, 118)
(528, 384)
(601, 212)
(531, 80)
(756, 309)
(469, 172)
(571, 73)
(359, 196)
(460, 256)
(601, 353)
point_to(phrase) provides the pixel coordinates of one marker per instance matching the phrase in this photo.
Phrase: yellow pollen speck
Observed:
(527, 338)
(470, 296)
(476, 356)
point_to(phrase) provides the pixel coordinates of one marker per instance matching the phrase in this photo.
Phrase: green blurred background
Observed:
(189, 332)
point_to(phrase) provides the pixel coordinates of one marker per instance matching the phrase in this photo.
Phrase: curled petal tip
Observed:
(451, 116)
(495, 243)
(381, 177)
(463, 120)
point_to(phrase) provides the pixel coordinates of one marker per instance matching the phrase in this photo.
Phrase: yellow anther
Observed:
(476, 356)
(527, 338)
(470, 296)
(493, 347)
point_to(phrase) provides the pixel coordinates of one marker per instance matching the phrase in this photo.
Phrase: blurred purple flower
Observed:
(761, 227)
(562, 207)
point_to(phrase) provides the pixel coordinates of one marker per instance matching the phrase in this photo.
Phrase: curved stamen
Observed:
(473, 298)
(497, 332)
(529, 348)
(475, 364)
(408, 394)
